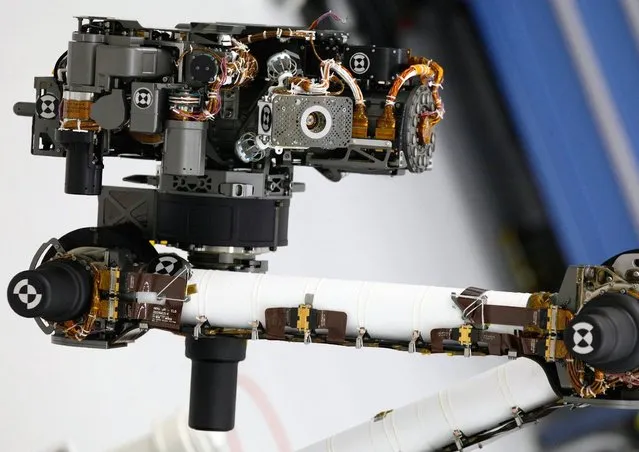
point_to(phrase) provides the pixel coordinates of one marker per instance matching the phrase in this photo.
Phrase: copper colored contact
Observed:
(77, 115)
(360, 122)
(385, 129)
(423, 130)
(76, 109)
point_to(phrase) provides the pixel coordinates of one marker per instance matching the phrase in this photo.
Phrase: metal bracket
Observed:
(517, 414)
(255, 332)
(459, 439)
(201, 321)
(412, 345)
(359, 342)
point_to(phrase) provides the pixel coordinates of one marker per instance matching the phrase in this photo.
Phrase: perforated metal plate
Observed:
(289, 127)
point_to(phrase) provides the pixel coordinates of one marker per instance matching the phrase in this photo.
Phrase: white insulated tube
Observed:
(387, 311)
(473, 406)
(174, 435)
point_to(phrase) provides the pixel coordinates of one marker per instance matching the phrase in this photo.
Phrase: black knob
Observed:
(605, 333)
(214, 381)
(58, 290)
(204, 68)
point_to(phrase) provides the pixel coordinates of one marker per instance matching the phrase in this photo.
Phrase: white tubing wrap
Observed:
(174, 435)
(473, 406)
(387, 311)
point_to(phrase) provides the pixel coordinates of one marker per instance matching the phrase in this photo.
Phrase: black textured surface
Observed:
(605, 333)
(216, 221)
(375, 63)
(57, 290)
(203, 68)
(123, 236)
(214, 381)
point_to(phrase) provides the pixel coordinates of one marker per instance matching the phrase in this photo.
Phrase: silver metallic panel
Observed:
(311, 121)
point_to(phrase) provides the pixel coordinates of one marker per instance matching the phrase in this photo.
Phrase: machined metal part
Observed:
(360, 160)
(233, 184)
(148, 107)
(184, 151)
(626, 265)
(129, 61)
(230, 104)
(603, 403)
(323, 122)
(110, 111)
(228, 258)
(86, 343)
(369, 143)
(46, 117)
(417, 151)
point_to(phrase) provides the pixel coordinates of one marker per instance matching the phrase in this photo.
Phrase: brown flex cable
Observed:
(501, 315)
(498, 344)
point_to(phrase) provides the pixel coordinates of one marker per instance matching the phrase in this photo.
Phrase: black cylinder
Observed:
(83, 172)
(214, 381)
(58, 290)
(605, 333)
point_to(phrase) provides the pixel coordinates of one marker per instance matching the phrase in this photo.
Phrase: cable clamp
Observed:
(255, 333)
(459, 439)
(201, 321)
(517, 413)
(412, 345)
(359, 342)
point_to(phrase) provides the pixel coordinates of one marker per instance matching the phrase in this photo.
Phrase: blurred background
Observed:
(536, 169)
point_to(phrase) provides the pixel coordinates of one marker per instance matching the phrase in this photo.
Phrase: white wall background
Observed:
(414, 229)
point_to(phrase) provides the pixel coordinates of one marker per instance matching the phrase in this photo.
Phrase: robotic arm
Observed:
(228, 111)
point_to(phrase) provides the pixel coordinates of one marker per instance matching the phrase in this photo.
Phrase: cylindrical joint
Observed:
(604, 333)
(214, 381)
(58, 290)
(76, 111)
(185, 148)
(84, 166)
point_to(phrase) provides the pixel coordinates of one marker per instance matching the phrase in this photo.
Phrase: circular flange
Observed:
(417, 150)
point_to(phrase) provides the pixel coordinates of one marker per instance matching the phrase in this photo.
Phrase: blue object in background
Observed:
(547, 100)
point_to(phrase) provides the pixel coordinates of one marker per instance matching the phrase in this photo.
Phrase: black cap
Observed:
(605, 333)
(58, 290)
(214, 366)
(204, 68)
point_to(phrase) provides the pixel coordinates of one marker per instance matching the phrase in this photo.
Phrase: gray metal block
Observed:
(185, 148)
(120, 61)
(148, 105)
(311, 121)
(234, 184)
(109, 111)
(81, 63)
